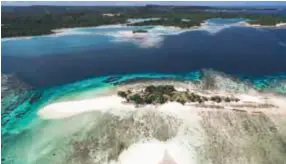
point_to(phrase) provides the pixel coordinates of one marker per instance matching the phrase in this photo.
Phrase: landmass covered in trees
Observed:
(38, 20)
(167, 93)
(139, 31)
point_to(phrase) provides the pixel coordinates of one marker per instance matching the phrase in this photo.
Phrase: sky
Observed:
(140, 3)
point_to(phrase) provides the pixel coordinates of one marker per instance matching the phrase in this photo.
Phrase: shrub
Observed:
(205, 98)
(216, 99)
(167, 89)
(182, 101)
(150, 99)
(122, 94)
(161, 99)
(137, 99)
(150, 89)
(227, 99)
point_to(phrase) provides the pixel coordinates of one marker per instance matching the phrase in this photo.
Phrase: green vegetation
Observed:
(163, 93)
(266, 20)
(122, 94)
(38, 20)
(196, 18)
(139, 31)
(168, 22)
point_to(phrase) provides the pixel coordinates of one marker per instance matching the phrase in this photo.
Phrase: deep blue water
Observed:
(48, 61)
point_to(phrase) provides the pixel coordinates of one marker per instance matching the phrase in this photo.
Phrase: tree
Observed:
(182, 101)
(137, 99)
(161, 99)
(122, 94)
(150, 99)
(150, 89)
(227, 99)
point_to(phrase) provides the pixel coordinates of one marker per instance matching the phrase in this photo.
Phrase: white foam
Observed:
(213, 28)
(156, 152)
(142, 40)
(16, 38)
(66, 32)
(178, 150)
(280, 25)
(153, 38)
(150, 152)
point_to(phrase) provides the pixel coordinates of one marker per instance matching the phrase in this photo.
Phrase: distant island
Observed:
(39, 20)
(139, 31)
(161, 94)
(197, 18)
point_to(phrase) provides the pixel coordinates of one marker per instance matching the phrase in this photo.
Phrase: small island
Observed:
(139, 31)
(167, 93)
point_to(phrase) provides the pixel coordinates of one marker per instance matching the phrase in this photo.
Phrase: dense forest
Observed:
(167, 93)
(38, 20)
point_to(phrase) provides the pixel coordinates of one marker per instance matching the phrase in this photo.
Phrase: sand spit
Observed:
(253, 102)
(71, 108)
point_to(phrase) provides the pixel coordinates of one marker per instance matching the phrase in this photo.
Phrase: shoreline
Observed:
(63, 30)
(60, 30)
(57, 31)
(251, 103)
(276, 26)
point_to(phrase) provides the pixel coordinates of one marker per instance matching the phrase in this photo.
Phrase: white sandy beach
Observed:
(278, 25)
(249, 102)
(71, 108)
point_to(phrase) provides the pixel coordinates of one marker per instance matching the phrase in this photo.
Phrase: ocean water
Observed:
(90, 52)
(78, 63)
